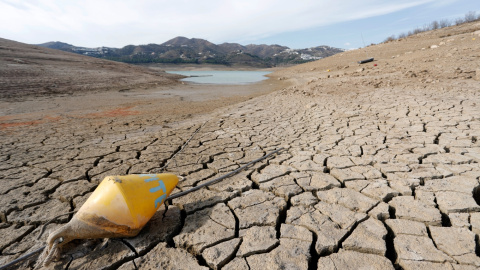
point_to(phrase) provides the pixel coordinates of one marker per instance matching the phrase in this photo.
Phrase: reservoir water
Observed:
(222, 76)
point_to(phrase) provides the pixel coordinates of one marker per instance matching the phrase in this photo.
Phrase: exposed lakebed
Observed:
(222, 76)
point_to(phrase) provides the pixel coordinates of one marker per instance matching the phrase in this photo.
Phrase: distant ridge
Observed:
(28, 70)
(199, 51)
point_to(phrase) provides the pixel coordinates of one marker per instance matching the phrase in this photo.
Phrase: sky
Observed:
(346, 24)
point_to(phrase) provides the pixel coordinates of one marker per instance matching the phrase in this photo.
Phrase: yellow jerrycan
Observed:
(119, 207)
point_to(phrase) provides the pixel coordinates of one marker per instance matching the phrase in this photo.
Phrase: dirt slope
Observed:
(444, 59)
(27, 70)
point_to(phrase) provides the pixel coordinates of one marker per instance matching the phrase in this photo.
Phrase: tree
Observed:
(434, 25)
(445, 23)
(470, 16)
(459, 21)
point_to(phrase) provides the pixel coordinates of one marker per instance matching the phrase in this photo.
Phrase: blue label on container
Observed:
(161, 186)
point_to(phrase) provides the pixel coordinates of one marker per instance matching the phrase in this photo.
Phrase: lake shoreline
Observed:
(222, 77)
(169, 102)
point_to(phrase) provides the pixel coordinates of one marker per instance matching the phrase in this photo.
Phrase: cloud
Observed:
(118, 23)
(347, 44)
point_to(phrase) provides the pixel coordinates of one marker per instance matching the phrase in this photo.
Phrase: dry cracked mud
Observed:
(379, 171)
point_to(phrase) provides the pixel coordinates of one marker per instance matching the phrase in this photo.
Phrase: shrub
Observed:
(445, 23)
(470, 16)
(390, 38)
(459, 21)
(417, 30)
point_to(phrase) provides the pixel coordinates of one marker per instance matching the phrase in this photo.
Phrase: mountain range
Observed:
(182, 50)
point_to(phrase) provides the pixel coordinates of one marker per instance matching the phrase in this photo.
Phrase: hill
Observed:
(34, 70)
(199, 51)
(444, 58)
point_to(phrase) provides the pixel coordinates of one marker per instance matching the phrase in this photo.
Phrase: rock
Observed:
(354, 260)
(423, 172)
(409, 227)
(368, 237)
(308, 165)
(328, 233)
(455, 184)
(351, 199)
(340, 214)
(406, 207)
(459, 220)
(288, 231)
(305, 199)
(380, 212)
(425, 196)
(257, 208)
(339, 162)
(291, 254)
(283, 186)
(477, 74)
(163, 257)
(270, 172)
(403, 186)
(320, 158)
(455, 202)
(458, 243)
(237, 264)
(377, 189)
(206, 228)
(257, 240)
(418, 248)
(415, 265)
(346, 174)
(475, 222)
(446, 158)
(369, 172)
(218, 255)
(317, 181)
(433, 46)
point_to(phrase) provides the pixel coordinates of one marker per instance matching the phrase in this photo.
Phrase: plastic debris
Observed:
(119, 207)
(366, 60)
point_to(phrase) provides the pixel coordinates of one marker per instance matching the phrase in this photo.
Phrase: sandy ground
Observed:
(380, 168)
(171, 102)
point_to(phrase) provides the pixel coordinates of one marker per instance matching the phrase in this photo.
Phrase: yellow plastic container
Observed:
(119, 207)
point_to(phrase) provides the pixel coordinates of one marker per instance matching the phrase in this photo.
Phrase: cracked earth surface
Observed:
(383, 178)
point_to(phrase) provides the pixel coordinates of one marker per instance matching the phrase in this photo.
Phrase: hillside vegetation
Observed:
(181, 50)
